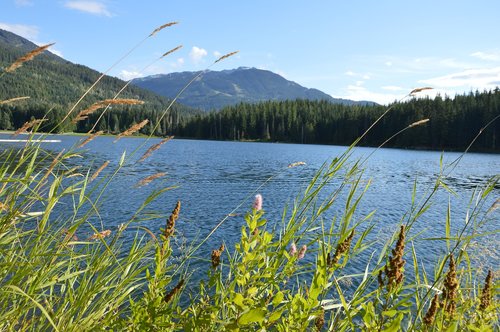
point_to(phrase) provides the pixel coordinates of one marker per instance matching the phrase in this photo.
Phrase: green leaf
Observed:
(390, 313)
(238, 300)
(253, 316)
(453, 327)
(278, 298)
(395, 324)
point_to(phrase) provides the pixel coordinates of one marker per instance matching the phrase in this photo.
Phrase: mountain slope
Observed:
(216, 89)
(52, 82)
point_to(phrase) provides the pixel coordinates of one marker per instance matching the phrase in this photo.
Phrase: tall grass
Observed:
(288, 276)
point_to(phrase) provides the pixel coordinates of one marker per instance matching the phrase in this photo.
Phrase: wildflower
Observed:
(302, 252)
(486, 293)
(293, 249)
(431, 313)
(257, 203)
(100, 235)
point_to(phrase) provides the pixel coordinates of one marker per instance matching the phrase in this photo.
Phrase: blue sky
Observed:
(361, 50)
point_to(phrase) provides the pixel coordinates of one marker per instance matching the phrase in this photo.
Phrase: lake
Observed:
(212, 178)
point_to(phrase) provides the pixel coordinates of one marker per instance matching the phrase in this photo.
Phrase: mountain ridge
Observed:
(217, 89)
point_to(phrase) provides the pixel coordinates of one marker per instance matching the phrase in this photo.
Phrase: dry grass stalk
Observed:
(11, 100)
(494, 206)
(27, 57)
(150, 178)
(132, 130)
(99, 170)
(166, 25)
(450, 288)
(169, 230)
(417, 90)
(171, 51)
(298, 163)
(216, 256)
(84, 114)
(174, 291)
(90, 138)
(486, 296)
(155, 147)
(431, 313)
(28, 125)
(341, 249)
(52, 165)
(394, 271)
(100, 235)
(226, 56)
(418, 123)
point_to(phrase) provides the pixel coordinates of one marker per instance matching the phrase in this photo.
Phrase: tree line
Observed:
(453, 122)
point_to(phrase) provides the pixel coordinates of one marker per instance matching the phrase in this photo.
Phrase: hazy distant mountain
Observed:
(216, 89)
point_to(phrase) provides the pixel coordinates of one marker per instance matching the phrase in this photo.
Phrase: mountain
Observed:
(53, 83)
(216, 89)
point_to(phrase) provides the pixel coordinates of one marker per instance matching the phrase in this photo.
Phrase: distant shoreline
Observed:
(419, 148)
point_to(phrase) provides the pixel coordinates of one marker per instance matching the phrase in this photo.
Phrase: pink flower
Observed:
(257, 203)
(302, 252)
(293, 249)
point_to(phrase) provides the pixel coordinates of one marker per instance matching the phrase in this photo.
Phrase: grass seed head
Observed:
(174, 291)
(394, 270)
(486, 296)
(166, 25)
(450, 288)
(27, 57)
(169, 230)
(431, 313)
(99, 170)
(342, 248)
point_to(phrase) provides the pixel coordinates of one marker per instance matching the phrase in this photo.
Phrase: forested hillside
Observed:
(54, 84)
(453, 123)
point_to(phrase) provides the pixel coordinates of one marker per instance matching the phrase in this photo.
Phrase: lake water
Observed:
(213, 178)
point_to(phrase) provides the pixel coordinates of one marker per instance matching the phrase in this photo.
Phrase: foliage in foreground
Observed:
(288, 276)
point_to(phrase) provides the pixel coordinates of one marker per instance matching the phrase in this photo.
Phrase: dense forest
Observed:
(53, 85)
(453, 123)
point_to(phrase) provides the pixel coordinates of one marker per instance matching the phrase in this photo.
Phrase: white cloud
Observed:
(392, 88)
(493, 56)
(356, 92)
(217, 54)
(90, 7)
(128, 75)
(54, 51)
(175, 65)
(484, 78)
(353, 74)
(24, 3)
(388, 63)
(27, 31)
(197, 54)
